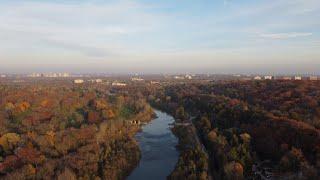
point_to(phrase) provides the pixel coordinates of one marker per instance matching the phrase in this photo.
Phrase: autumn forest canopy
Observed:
(227, 129)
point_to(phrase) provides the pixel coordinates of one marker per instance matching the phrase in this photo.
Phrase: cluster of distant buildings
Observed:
(120, 84)
(187, 76)
(311, 78)
(115, 83)
(80, 81)
(52, 75)
(137, 79)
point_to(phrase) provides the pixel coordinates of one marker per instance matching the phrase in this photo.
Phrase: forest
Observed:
(227, 129)
(251, 129)
(68, 132)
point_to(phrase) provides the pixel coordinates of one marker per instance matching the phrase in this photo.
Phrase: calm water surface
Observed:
(158, 149)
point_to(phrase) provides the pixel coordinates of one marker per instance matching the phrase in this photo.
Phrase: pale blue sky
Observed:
(203, 36)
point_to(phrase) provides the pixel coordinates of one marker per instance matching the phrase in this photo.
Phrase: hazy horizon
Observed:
(139, 36)
(313, 70)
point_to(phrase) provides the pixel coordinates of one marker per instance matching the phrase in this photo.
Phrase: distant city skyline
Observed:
(169, 36)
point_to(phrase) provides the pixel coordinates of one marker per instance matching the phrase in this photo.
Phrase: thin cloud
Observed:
(284, 35)
(92, 29)
(226, 2)
(153, 34)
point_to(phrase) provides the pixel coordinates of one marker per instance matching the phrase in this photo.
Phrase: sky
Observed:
(165, 36)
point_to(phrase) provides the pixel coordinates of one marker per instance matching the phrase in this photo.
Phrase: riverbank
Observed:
(193, 162)
(121, 153)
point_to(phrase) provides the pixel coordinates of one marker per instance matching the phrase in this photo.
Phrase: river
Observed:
(158, 149)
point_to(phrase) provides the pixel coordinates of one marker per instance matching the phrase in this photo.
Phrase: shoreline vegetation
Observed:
(193, 162)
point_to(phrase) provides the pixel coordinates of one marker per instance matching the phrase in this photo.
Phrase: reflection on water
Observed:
(157, 145)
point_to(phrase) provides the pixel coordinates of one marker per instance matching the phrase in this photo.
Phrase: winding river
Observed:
(158, 149)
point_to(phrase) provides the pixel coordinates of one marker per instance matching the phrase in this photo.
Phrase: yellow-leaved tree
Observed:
(9, 141)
